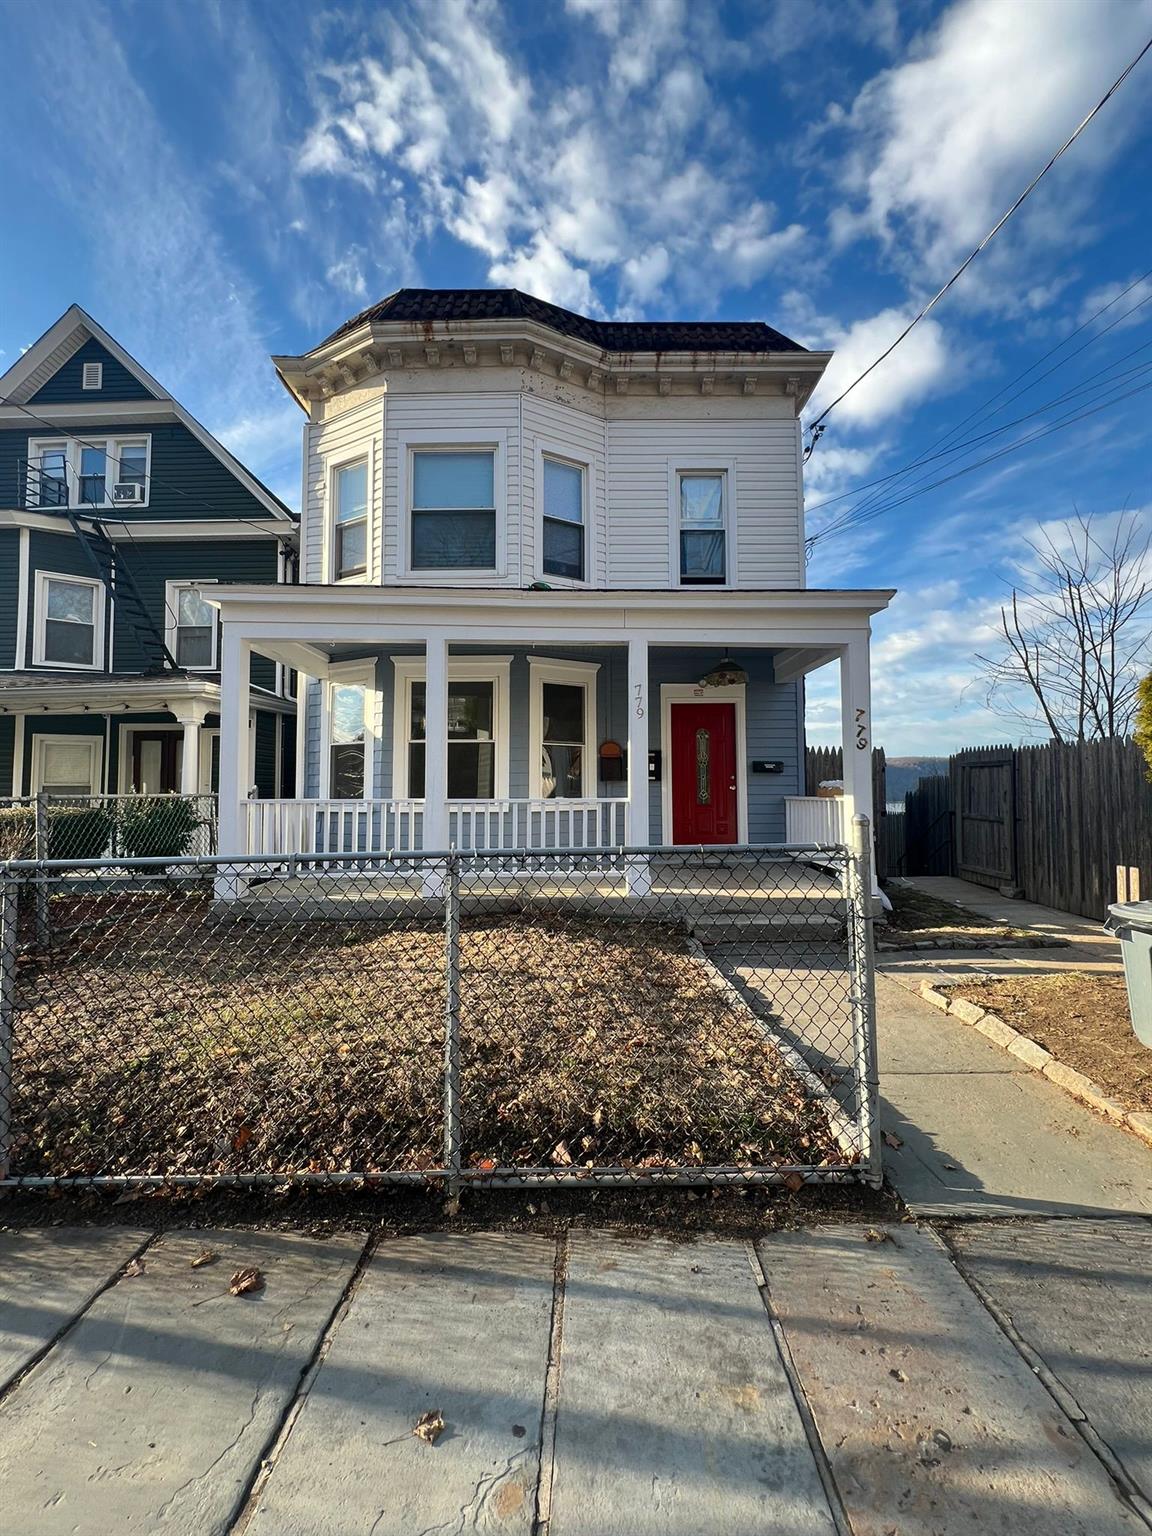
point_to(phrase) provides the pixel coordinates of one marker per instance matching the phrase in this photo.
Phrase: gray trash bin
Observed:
(1131, 922)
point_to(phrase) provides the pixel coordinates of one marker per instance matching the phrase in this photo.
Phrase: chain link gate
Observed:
(572, 1017)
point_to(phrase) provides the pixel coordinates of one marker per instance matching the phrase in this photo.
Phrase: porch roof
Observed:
(64, 693)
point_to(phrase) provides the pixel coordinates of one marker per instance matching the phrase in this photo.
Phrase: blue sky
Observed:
(218, 181)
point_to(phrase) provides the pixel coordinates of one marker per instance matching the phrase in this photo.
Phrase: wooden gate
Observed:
(984, 802)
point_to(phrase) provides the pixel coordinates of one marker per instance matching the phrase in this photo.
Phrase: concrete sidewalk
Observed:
(822, 1382)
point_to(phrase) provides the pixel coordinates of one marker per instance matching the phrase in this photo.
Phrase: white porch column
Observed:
(856, 737)
(436, 744)
(639, 829)
(191, 717)
(235, 663)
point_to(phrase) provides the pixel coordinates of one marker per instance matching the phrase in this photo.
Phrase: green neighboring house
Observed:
(119, 516)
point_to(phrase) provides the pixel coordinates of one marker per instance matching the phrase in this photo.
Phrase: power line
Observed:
(1023, 442)
(990, 407)
(816, 429)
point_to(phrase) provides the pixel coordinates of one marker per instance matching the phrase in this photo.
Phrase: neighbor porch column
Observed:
(235, 665)
(856, 735)
(436, 744)
(639, 829)
(192, 718)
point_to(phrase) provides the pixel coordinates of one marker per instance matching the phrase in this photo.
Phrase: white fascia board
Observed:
(152, 528)
(90, 413)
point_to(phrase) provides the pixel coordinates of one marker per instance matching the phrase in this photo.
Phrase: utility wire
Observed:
(816, 428)
(991, 407)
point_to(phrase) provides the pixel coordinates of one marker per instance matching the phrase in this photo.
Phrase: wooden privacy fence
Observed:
(984, 815)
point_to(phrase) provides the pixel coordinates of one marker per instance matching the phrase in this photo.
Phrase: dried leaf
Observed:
(892, 1140)
(561, 1154)
(209, 1256)
(241, 1139)
(136, 1267)
(246, 1280)
(486, 1164)
(877, 1235)
(794, 1181)
(429, 1426)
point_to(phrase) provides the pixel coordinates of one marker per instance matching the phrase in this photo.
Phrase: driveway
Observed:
(843, 1379)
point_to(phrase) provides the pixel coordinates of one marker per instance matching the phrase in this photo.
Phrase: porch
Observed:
(487, 721)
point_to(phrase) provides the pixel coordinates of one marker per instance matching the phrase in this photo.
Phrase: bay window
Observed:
(564, 519)
(703, 533)
(477, 728)
(350, 500)
(453, 510)
(69, 621)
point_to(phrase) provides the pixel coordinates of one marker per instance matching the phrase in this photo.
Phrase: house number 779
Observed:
(639, 701)
(861, 730)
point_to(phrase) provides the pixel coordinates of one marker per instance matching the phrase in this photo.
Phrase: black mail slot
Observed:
(767, 765)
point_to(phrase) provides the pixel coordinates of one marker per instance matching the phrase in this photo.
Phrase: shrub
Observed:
(79, 831)
(157, 827)
(1143, 731)
(17, 832)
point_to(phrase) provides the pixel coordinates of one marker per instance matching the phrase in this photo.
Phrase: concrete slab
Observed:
(675, 1413)
(983, 1135)
(46, 1278)
(453, 1323)
(933, 1424)
(1080, 1294)
(153, 1411)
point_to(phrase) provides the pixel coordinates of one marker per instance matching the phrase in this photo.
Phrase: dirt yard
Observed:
(1083, 1020)
(916, 916)
(160, 1039)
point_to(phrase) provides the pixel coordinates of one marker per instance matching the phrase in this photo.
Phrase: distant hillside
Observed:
(904, 773)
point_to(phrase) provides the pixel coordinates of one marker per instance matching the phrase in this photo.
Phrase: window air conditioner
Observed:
(128, 490)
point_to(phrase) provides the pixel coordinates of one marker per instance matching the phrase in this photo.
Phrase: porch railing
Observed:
(814, 819)
(276, 827)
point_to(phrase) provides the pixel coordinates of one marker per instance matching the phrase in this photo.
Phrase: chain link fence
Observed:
(125, 826)
(661, 1016)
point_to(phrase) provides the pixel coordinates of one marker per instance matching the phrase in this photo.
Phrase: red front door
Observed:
(704, 773)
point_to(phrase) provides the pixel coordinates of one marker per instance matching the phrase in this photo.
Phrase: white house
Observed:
(551, 589)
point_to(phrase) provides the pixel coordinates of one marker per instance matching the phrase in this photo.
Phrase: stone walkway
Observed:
(991, 1379)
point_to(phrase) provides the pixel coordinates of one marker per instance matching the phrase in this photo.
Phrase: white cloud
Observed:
(943, 142)
(1131, 309)
(347, 274)
(919, 365)
(626, 167)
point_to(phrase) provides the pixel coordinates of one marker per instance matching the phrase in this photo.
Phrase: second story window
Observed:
(703, 533)
(453, 510)
(350, 498)
(93, 476)
(564, 538)
(69, 616)
(191, 627)
(88, 472)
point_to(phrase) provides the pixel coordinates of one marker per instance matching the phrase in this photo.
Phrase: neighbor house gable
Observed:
(92, 373)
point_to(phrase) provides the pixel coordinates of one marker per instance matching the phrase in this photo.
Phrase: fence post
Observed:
(9, 917)
(864, 995)
(40, 884)
(452, 1025)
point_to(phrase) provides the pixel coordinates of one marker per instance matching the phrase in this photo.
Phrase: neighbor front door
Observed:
(156, 762)
(703, 747)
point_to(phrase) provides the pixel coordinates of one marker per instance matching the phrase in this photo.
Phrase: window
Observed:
(563, 520)
(69, 612)
(703, 553)
(347, 738)
(562, 723)
(92, 376)
(66, 765)
(454, 510)
(350, 500)
(191, 626)
(88, 472)
(477, 727)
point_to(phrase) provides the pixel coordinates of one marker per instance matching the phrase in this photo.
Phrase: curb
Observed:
(1035, 1056)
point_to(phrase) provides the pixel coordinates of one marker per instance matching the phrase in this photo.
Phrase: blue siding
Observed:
(9, 599)
(66, 384)
(264, 754)
(7, 752)
(773, 724)
(187, 481)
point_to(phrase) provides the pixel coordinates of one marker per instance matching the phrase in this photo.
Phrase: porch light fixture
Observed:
(725, 674)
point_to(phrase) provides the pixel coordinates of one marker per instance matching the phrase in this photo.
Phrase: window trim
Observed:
(111, 446)
(172, 590)
(360, 673)
(40, 740)
(40, 632)
(544, 669)
(333, 464)
(703, 465)
(465, 669)
(547, 448)
(461, 441)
